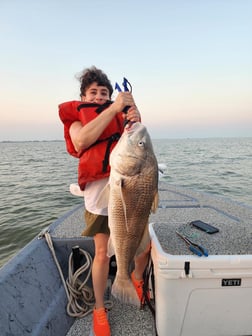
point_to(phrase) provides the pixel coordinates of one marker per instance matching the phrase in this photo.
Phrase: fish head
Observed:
(133, 151)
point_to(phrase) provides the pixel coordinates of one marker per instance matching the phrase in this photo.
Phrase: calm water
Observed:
(35, 178)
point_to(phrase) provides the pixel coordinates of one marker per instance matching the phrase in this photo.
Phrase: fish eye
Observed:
(140, 143)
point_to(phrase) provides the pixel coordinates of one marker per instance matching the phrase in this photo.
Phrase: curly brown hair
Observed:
(94, 75)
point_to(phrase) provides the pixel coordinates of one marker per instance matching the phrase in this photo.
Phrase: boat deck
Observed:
(178, 206)
(124, 319)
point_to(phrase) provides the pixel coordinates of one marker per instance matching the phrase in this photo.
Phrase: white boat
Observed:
(193, 295)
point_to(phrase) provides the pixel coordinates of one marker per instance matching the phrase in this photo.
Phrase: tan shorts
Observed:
(95, 224)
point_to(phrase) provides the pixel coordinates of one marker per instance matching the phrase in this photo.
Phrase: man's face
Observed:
(96, 94)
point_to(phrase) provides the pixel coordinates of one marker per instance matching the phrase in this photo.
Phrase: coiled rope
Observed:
(80, 296)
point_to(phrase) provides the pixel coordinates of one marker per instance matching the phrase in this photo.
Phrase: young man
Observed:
(92, 128)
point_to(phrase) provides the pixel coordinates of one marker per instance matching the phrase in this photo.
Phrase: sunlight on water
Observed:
(35, 179)
(219, 166)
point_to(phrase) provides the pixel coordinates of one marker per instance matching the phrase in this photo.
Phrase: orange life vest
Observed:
(93, 161)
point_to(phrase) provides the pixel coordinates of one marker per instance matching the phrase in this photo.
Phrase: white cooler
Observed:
(202, 296)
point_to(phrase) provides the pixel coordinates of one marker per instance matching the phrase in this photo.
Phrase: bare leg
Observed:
(141, 262)
(100, 268)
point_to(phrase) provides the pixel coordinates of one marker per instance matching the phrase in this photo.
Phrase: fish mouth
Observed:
(132, 126)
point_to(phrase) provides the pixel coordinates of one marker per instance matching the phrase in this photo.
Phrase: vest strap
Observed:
(105, 162)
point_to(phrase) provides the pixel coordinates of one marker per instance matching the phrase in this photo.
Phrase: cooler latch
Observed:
(187, 267)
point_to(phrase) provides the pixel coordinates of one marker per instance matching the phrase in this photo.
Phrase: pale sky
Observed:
(189, 62)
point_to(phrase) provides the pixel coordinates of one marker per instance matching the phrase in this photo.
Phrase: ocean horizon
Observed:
(35, 178)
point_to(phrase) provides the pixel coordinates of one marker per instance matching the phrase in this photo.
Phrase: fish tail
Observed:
(124, 290)
(110, 248)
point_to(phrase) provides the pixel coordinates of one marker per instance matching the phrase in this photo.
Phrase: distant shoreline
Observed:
(22, 141)
(206, 138)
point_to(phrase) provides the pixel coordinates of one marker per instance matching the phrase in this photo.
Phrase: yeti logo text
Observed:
(231, 282)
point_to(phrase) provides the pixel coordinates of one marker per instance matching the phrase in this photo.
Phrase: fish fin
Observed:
(124, 205)
(110, 248)
(103, 198)
(144, 242)
(124, 290)
(155, 203)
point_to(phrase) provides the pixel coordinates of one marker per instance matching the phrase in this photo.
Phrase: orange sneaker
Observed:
(100, 322)
(139, 284)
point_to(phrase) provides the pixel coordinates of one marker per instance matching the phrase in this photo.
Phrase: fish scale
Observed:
(133, 191)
